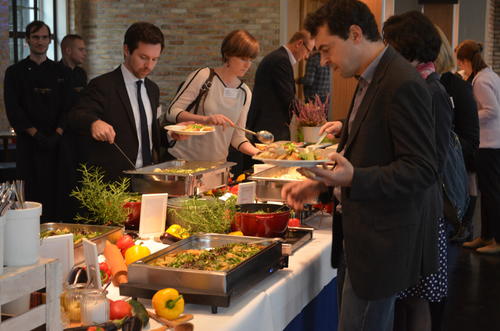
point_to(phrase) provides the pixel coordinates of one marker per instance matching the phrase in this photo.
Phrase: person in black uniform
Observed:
(73, 52)
(35, 101)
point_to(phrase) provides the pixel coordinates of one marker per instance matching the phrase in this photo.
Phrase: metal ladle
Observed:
(263, 136)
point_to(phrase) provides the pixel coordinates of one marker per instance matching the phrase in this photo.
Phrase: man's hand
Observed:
(218, 119)
(333, 128)
(297, 193)
(102, 131)
(340, 175)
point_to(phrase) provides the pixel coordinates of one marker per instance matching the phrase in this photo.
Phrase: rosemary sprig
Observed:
(207, 216)
(103, 201)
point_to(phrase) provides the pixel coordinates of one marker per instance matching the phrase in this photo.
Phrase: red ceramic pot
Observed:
(271, 223)
(132, 222)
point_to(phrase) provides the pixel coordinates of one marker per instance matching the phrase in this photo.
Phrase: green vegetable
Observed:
(208, 216)
(103, 201)
(139, 311)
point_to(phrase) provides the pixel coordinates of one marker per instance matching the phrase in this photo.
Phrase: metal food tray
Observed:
(295, 238)
(213, 288)
(108, 233)
(145, 180)
(269, 185)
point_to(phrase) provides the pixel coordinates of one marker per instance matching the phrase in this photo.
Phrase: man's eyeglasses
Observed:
(307, 48)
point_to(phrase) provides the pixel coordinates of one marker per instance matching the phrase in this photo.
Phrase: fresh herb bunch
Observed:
(207, 216)
(312, 113)
(103, 201)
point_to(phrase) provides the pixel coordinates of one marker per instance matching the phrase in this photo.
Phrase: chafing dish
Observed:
(295, 238)
(212, 288)
(111, 233)
(213, 175)
(270, 182)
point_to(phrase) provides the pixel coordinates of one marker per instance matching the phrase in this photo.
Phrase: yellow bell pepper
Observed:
(235, 233)
(168, 304)
(177, 231)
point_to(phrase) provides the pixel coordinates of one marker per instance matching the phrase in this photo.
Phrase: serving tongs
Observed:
(124, 155)
(318, 144)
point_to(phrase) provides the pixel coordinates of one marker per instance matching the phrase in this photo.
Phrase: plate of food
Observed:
(195, 129)
(289, 155)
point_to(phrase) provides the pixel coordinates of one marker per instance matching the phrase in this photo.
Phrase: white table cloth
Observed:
(275, 301)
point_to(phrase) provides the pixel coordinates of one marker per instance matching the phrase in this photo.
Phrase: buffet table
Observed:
(274, 302)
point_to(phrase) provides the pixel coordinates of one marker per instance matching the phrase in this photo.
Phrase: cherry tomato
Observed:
(294, 222)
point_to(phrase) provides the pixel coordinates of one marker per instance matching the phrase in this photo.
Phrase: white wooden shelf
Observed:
(20, 281)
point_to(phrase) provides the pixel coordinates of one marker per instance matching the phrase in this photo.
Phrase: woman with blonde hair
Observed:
(465, 125)
(486, 89)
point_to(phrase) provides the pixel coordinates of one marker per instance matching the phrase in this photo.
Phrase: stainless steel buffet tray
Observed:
(270, 182)
(107, 233)
(216, 281)
(146, 180)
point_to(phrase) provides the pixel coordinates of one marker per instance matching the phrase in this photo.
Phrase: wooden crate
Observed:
(20, 281)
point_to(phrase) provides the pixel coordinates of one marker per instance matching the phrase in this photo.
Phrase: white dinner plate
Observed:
(180, 129)
(292, 163)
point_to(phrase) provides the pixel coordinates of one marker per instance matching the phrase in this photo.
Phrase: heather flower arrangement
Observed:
(312, 113)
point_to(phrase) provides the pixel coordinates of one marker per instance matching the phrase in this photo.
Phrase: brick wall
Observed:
(495, 60)
(193, 30)
(489, 32)
(4, 57)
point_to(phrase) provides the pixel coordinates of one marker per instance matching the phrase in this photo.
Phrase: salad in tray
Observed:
(289, 154)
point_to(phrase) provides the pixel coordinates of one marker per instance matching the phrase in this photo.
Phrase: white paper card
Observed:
(230, 92)
(59, 247)
(246, 192)
(153, 215)
(92, 262)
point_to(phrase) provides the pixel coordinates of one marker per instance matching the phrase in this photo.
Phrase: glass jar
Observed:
(94, 307)
(70, 303)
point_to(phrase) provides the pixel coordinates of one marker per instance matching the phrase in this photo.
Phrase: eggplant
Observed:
(132, 324)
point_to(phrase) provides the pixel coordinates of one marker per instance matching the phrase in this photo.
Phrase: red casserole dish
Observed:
(261, 219)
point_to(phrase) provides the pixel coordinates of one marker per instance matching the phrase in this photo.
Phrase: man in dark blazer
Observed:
(385, 168)
(120, 108)
(274, 87)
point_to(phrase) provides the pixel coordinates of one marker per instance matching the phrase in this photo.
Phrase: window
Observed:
(22, 12)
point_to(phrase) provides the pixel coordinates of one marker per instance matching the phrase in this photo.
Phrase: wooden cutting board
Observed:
(171, 323)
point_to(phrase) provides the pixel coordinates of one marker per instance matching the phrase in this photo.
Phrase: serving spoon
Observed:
(263, 136)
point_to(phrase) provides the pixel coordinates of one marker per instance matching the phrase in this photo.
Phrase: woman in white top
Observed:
(486, 89)
(226, 103)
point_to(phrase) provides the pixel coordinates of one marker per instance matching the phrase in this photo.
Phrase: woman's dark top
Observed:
(466, 121)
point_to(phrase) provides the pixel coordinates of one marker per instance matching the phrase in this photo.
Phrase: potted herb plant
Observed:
(105, 203)
(311, 116)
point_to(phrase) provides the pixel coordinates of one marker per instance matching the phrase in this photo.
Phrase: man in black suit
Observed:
(385, 168)
(120, 107)
(274, 87)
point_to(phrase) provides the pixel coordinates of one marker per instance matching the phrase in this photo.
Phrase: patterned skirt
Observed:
(433, 287)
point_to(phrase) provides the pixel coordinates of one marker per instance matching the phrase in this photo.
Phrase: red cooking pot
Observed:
(132, 222)
(261, 219)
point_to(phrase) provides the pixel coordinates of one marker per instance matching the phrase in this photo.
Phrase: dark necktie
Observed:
(146, 150)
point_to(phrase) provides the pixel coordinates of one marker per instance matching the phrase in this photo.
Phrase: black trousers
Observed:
(488, 173)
